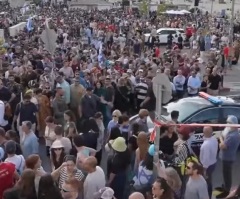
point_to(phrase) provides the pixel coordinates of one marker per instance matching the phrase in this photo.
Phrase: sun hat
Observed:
(119, 144)
(57, 144)
(151, 150)
(232, 119)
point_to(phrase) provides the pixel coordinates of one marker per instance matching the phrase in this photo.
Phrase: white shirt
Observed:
(3, 122)
(93, 183)
(18, 161)
(208, 152)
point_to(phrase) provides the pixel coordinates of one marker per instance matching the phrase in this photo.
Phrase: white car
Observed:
(164, 32)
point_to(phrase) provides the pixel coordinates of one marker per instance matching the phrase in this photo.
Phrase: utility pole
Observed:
(231, 30)
(212, 7)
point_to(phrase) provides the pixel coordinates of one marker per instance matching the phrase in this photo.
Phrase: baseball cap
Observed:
(185, 130)
(2, 153)
(10, 147)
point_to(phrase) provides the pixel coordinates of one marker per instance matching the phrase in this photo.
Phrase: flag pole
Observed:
(157, 137)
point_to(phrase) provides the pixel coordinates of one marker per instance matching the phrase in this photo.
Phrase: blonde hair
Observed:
(117, 113)
(173, 178)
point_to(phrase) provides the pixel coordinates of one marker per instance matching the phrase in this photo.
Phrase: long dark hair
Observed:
(167, 193)
(48, 189)
(148, 162)
(90, 125)
(26, 184)
(61, 158)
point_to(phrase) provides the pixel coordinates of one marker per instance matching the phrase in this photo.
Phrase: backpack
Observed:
(190, 157)
(18, 169)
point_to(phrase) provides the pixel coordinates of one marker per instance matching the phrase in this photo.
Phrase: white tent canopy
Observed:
(185, 11)
(177, 12)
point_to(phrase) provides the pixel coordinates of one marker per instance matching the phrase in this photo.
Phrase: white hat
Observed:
(57, 144)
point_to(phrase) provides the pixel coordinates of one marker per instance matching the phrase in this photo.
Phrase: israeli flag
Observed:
(29, 24)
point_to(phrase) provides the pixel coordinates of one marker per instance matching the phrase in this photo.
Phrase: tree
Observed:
(144, 7)
(161, 8)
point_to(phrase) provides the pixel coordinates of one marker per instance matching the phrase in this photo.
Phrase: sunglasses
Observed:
(187, 167)
(114, 116)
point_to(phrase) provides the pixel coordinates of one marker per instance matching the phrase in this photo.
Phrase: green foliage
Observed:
(161, 8)
(144, 7)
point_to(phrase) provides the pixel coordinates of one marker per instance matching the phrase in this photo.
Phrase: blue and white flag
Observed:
(29, 24)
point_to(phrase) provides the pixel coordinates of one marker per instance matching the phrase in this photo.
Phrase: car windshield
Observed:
(185, 109)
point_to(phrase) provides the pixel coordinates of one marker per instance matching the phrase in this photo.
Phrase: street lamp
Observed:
(231, 30)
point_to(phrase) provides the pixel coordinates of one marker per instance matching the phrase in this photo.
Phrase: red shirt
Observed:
(189, 31)
(226, 51)
(7, 171)
(157, 52)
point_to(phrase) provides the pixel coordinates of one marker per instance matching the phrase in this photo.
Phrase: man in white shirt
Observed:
(208, 155)
(3, 122)
(95, 179)
(179, 81)
(194, 84)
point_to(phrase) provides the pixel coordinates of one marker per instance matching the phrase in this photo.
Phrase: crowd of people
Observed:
(74, 105)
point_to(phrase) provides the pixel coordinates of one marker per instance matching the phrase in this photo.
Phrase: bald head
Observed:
(207, 131)
(91, 161)
(136, 195)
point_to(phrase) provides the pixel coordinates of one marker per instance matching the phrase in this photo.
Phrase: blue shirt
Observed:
(232, 142)
(111, 125)
(30, 145)
(66, 88)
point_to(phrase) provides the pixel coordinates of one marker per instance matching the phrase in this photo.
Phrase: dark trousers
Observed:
(179, 94)
(99, 156)
(227, 174)
(209, 173)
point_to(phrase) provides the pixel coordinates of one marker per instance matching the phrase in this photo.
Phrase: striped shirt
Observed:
(64, 176)
(182, 153)
(141, 90)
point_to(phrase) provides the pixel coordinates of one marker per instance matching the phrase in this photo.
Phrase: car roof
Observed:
(169, 29)
(200, 100)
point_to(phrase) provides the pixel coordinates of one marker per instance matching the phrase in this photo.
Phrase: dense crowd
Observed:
(70, 102)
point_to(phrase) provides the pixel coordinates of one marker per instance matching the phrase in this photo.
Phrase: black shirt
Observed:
(166, 144)
(118, 162)
(151, 104)
(5, 94)
(26, 112)
(214, 81)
